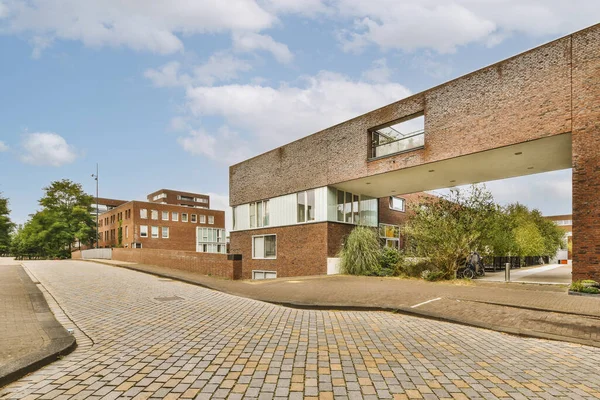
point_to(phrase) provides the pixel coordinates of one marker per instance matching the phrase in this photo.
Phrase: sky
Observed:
(169, 93)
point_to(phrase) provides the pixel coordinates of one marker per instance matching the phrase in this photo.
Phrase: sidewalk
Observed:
(30, 336)
(542, 311)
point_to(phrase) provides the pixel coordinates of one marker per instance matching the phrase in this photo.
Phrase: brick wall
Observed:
(202, 263)
(523, 98)
(586, 155)
(301, 250)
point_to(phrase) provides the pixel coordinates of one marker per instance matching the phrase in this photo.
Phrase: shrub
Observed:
(360, 253)
(390, 262)
(581, 287)
(414, 267)
(434, 276)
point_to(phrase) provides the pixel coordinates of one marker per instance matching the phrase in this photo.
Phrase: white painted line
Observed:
(425, 302)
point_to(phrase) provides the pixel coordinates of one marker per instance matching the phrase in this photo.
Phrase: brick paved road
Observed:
(165, 339)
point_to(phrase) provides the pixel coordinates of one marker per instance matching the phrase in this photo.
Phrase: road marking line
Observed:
(425, 302)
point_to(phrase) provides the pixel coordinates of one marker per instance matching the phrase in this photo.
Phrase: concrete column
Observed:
(586, 153)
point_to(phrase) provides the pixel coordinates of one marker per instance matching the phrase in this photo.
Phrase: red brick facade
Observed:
(175, 197)
(182, 235)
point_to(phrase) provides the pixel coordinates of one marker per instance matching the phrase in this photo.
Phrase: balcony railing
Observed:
(383, 145)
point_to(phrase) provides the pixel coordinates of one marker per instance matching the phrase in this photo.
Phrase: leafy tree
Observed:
(64, 219)
(445, 230)
(6, 226)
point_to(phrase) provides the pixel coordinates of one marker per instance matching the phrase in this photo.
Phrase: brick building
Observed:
(564, 222)
(187, 199)
(532, 113)
(160, 225)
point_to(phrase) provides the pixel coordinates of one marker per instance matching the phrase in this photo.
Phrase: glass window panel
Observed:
(355, 209)
(266, 213)
(259, 214)
(348, 207)
(310, 205)
(270, 246)
(252, 215)
(301, 206)
(259, 247)
(340, 206)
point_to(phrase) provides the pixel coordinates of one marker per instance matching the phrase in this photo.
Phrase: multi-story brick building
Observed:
(156, 225)
(532, 113)
(187, 199)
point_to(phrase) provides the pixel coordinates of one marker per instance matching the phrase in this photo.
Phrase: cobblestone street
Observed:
(146, 337)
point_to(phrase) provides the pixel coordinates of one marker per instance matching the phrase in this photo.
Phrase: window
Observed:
(194, 218)
(203, 219)
(211, 219)
(159, 196)
(165, 216)
(233, 211)
(201, 200)
(165, 232)
(126, 232)
(348, 207)
(210, 240)
(264, 246)
(143, 230)
(259, 214)
(155, 231)
(356, 209)
(153, 214)
(396, 203)
(184, 217)
(175, 216)
(136, 245)
(143, 213)
(340, 206)
(398, 137)
(264, 274)
(306, 206)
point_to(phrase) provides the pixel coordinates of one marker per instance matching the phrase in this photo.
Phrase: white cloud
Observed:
(220, 67)
(3, 146)
(274, 116)
(154, 26)
(250, 41)
(47, 148)
(379, 72)
(225, 145)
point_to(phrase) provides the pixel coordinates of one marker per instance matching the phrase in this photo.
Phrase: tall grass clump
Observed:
(361, 253)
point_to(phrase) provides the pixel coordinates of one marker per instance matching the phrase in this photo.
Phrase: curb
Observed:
(61, 342)
(398, 310)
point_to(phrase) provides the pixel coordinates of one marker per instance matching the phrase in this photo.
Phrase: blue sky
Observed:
(170, 93)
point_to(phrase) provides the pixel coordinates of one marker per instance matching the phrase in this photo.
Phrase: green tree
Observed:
(6, 226)
(445, 230)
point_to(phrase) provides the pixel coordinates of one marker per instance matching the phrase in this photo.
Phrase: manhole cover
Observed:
(171, 298)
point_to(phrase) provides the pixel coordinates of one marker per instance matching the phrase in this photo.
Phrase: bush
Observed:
(582, 287)
(360, 253)
(433, 276)
(414, 267)
(390, 260)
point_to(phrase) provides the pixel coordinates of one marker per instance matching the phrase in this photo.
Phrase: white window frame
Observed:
(144, 231)
(264, 258)
(175, 216)
(391, 200)
(152, 234)
(193, 218)
(162, 232)
(202, 219)
(154, 214)
(163, 216)
(184, 217)
(211, 219)
(263, 272)
(143, 213)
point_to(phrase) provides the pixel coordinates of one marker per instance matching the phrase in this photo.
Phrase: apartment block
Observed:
(155, 225)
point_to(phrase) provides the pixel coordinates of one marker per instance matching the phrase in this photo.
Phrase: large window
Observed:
(211, 240)
(306, 206)
(165, 232)
(143, 213)
(194, 218)
(211, 219)
(259, 214)
(355, 209)
(165, 215)
(398, 137)
(175, 216)
(264, 246)
(390, 235)
(155, 231)
(153, 214)
(184, 217)
(396, 203)
(143, 230)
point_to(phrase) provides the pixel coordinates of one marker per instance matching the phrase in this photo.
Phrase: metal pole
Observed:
(96, 178)
(507, 272)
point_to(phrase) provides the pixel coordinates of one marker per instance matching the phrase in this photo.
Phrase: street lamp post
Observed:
(95, 176)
